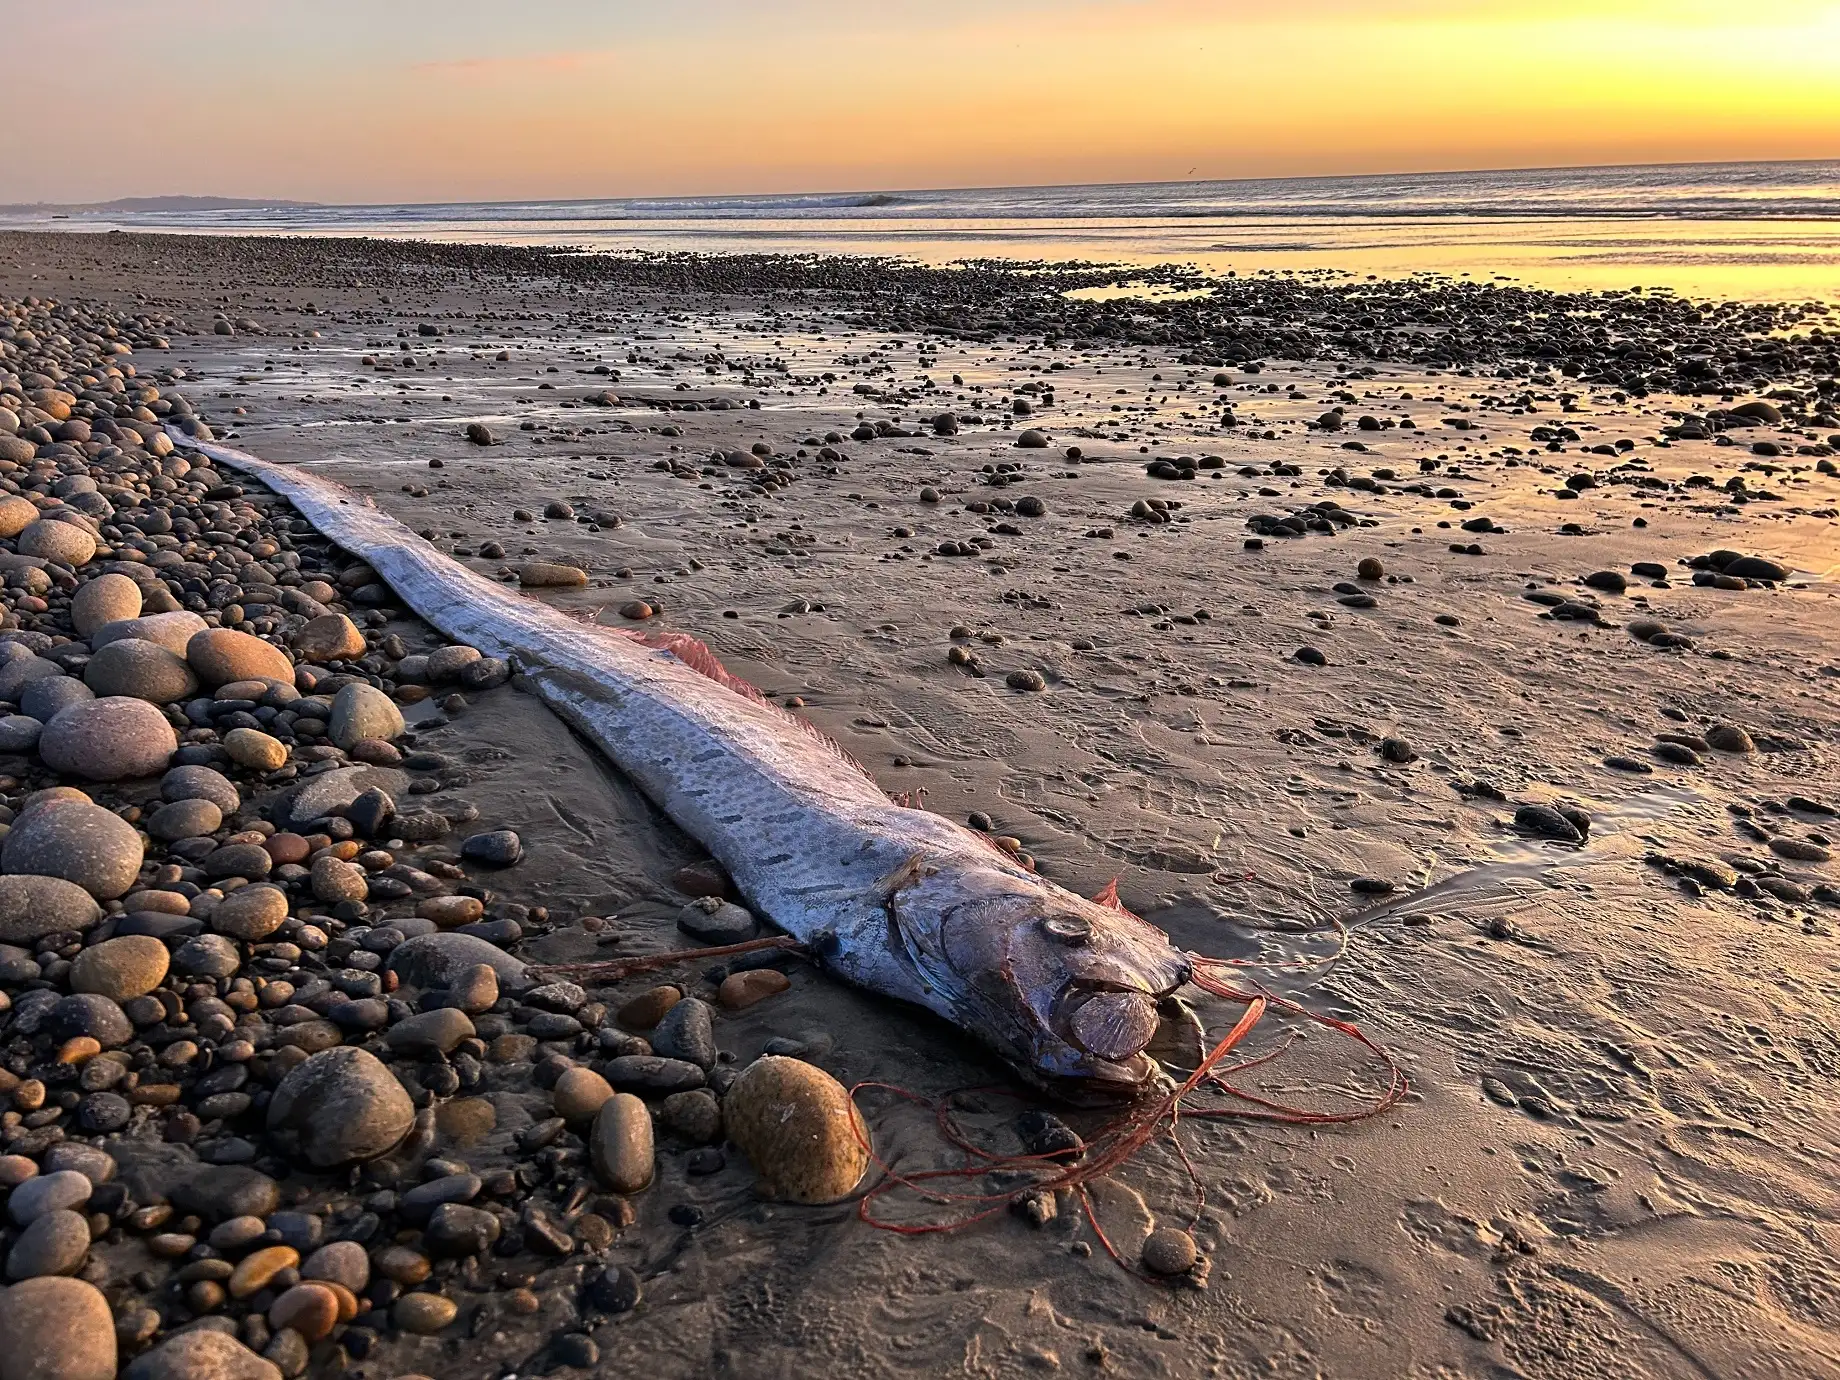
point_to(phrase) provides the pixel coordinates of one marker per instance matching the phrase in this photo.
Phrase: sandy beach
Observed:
(1287, 624)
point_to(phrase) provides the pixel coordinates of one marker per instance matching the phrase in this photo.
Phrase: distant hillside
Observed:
(142, 204)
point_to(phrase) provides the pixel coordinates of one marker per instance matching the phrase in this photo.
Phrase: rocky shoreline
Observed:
(1496, 626)
(253, 996)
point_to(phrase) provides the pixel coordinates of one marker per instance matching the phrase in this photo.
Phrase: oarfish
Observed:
(899, 901)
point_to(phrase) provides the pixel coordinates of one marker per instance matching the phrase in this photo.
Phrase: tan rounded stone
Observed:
(424, 1314)
(220, 655)
(170, 630)
(620, 1144)
(312, 1310)
(742, 990)
(335, 880)
(15, 515)
(56, 540)
(798, 1128)
(255, 1270)
(550, 575)
(330, 637)
(254, 749)
(579, 1094)
(251, 913)
(450, 911)
(121, 968)
(55, 1328)
(647, 1009)
(106, 599)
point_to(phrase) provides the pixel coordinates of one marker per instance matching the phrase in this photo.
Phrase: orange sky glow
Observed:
(412, 100)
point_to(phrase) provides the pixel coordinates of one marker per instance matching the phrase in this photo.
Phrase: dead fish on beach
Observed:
(899, 901)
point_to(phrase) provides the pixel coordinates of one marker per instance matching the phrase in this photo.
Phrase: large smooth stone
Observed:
(328, 793)
(200, 1354)
(129, 966)
(57, 1329)
(56, 540)
(361, 711)
(105, 599)
(798, 1128)
(85, 844)
(339, 1106)
(440, 960)
(172, 631)
(111, 739)
(221, 655)
(141, 670)
(330, 637)
(32, 907)
(620, 1144)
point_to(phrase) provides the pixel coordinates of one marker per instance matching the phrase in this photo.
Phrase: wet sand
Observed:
(1618, 1152)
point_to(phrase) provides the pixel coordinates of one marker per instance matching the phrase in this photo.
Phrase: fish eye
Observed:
(1068, 929)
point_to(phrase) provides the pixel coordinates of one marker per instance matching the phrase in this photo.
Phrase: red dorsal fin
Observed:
(1109, 899)
(696, 654)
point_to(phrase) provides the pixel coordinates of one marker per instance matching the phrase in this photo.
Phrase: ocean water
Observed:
(1760, 231)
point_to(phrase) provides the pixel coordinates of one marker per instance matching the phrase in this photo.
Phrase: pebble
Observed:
(79, 842)
(424, 1314)
(438, 1031)
(32, 907)
(65, 1188)
(329, 637)
(53, 1328)
(1547, 822)
(108, 739)
(56, 1243)
(649, 1007)
(200, 1354)
(620, 1144)
(222, 655)
(361, 711)
(172, 631)
(140, 670)
(312, 1310)
(184, 819)
(550, 575)
(439, 960)
(251, 913)
(1170, 1251)
(103, 600)
(496, 848)
(693, 1116)
(341, 1262)
(254, 1271)
(201, 783)
(64, 542)
(715, 921)
(339, 1106)
(742, 990)
(254, 749)
(798, 1128)
(1729, 738)
(687, 1032)
(579, 1094)
(120, 968)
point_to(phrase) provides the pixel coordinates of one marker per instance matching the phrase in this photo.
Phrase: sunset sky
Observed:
(433, 100)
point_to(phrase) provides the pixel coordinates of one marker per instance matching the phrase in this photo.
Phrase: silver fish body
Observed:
(899, 901)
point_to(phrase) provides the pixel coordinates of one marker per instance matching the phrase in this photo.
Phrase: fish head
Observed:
(1067, 989)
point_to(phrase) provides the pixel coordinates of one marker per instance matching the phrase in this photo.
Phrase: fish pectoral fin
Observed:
(904, 876)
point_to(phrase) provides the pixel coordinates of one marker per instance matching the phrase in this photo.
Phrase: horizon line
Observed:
(258, 202)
